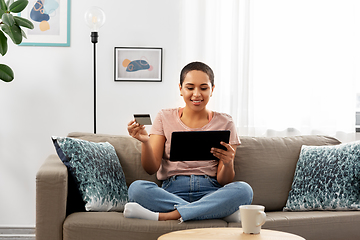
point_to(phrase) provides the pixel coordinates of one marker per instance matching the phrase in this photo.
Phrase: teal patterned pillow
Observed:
(326, 178)
(97, 172)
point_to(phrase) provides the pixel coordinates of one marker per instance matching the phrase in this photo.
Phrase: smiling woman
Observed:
(177, 198)
(196, 89)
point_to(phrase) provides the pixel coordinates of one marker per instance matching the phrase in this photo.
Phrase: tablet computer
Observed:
(196, 145)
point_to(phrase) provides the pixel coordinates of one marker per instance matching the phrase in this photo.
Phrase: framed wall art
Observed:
(51, 19)
(138, 64)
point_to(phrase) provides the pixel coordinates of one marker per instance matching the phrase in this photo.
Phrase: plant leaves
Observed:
(3, 44)
(6, 73)
(3, 5)
(18, 6)
(1, 13)
(23, 34)
(22, 22)
(9, 2)
(14, 32)
(8, 19)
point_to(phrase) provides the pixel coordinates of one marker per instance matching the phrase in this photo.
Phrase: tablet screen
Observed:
(196, 145)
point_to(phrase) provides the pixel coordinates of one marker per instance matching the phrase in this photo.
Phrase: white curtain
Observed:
(281, 67)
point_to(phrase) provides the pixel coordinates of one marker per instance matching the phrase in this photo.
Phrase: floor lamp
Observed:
(94, 18)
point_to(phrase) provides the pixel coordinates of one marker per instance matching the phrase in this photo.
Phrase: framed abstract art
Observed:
(51, 19)
(138, 64)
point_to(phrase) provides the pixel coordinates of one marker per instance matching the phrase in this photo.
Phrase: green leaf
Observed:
(8, 19)
(18, 6)
(1, 13)
(23, 34)
(14, 32)
(22, 22)
(3, 44)
(3, 5)
(9, 2)
(6, 74)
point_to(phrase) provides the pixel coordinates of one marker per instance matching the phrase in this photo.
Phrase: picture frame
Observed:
(138, 64)
(51, 19)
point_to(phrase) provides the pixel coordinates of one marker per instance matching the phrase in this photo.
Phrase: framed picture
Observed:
(138, 64)
(51, 19)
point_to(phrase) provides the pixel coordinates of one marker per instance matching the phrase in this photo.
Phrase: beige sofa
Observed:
(267, 164)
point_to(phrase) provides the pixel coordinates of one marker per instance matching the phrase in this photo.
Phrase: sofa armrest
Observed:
(51, 195)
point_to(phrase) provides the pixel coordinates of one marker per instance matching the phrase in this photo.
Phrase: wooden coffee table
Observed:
(227, 234)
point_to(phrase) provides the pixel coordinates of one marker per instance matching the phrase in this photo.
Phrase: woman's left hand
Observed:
(226, 156)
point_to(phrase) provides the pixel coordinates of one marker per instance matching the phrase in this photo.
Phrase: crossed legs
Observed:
(148, 201)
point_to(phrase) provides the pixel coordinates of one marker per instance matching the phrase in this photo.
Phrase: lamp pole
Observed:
(94, 40)
(94, 18)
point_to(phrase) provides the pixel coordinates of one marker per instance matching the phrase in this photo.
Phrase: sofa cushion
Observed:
(114, 226)
(326, 178)
(97, 172)
(128, 151)
(268, 165)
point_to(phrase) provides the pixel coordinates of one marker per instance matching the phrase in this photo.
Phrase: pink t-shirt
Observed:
(168, 121)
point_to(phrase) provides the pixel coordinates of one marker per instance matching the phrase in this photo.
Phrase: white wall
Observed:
(52, 92)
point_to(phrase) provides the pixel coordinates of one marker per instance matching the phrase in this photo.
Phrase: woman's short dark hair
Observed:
(199, 66)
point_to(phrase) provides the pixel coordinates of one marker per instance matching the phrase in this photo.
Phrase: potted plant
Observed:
(11, 26)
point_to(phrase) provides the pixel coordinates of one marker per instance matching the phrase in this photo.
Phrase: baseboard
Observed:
(17, 233)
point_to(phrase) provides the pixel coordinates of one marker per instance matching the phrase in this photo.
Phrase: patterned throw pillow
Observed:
(97, 172)
(326, 178)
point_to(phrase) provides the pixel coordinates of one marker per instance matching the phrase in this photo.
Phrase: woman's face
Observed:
(196, 90)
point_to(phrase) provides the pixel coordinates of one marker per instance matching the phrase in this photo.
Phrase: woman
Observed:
(191, 190)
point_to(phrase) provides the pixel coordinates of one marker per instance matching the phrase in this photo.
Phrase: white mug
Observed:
(252, 218)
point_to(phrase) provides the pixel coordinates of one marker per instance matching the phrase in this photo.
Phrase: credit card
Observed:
(143, 119)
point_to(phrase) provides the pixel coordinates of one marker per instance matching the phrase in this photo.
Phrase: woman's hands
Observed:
(152, 147)
(225, 172)
(138, 131)
(225, 156)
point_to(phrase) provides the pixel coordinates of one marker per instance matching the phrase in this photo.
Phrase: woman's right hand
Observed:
(138, 131)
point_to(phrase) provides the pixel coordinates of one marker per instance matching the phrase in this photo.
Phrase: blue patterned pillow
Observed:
(326, 178)
(97, 172)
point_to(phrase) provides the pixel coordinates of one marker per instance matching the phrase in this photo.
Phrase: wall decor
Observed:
(51, 19)
(138, 64)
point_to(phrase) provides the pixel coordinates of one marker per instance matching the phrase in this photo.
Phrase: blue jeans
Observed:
(196, 197)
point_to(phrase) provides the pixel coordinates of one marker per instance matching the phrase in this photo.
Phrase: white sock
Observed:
(235, 217)
(135, 210)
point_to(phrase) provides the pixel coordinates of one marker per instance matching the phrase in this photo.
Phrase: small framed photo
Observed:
(51, 21)
(138, 64)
